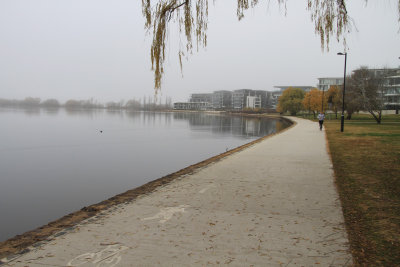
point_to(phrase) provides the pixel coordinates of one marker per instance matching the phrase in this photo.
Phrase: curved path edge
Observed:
(23, 243)
(273, 204)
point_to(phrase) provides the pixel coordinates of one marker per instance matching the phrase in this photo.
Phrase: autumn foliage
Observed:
(291, 100)
(334, 98)
(313, 101)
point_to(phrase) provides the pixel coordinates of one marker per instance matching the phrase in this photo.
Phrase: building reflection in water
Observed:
(232, 125)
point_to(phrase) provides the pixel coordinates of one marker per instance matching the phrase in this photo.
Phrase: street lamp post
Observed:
(344, 90)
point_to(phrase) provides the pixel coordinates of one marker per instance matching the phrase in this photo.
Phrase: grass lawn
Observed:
(366, 160)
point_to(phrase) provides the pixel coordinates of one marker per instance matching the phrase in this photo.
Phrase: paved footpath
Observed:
(272, 204)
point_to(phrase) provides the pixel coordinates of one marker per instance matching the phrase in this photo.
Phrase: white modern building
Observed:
(192, 105)
(195, 98)
(239, 98)
(248, 98)
(392, 92)
(325, 83)
(391, 84)
(226, 100)
(253, 102)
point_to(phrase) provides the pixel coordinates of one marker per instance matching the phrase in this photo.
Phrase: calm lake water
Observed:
(54, 162)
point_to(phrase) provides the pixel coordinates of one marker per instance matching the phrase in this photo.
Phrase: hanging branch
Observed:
(329, 16)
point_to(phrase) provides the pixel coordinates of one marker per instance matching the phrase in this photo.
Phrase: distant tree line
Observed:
(147, 103)
(365, 91)
(29, 102)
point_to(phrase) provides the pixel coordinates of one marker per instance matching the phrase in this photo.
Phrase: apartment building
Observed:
(192, 105)
(222, 99)
(253, 102)
(247, 98)
(206, 98)
(391, 85)
(239, 98)
(325, 83)
(392, 92)
(277, 93)
(226, 100)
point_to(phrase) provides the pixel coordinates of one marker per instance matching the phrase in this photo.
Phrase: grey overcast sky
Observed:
(81, 49)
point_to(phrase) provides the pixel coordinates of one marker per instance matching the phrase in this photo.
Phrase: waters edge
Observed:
(20, 243)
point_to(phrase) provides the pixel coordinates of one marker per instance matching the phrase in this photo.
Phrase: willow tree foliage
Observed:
(330, 19)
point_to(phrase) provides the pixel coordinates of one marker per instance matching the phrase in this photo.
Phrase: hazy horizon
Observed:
(99, 49)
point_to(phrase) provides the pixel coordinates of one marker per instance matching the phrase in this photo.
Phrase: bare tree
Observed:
(352, 98)
(368, 85)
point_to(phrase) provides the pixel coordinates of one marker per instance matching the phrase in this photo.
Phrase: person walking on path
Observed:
(321, 117)
(291, 216)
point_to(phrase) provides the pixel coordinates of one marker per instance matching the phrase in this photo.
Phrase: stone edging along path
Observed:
(20, 244)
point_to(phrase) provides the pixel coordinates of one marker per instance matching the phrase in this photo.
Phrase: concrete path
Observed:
(273, 204)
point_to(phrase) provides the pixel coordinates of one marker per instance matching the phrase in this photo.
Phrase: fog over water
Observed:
(53, 162)
(99, 49)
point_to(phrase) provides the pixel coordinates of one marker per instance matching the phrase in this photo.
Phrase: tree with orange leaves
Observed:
(313, 101)
(334, 98)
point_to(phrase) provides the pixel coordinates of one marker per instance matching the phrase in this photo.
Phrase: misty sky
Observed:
(81, 49)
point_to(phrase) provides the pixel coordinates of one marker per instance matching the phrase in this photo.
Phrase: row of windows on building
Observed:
(225, 100)
(248, 98)
(236, 100)
(391, 85)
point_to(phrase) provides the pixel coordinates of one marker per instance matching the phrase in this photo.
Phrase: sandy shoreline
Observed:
(20, 243)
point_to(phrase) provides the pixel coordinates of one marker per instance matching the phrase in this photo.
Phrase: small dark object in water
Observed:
(101, 131)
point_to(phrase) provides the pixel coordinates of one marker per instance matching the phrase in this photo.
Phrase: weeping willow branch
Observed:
(330, 19)
(398, 9)
(158, 19)
(329, 16)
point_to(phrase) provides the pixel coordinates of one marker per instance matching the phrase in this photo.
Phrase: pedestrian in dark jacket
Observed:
(321, 117)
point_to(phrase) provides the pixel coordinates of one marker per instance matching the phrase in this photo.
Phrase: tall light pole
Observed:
(344, 90)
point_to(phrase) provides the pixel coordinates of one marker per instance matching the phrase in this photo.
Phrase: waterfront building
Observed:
(392, 92)
(253, 102)
(391, 87)
(277, 93)
(325, 83)
(247, 98)
(264, 98)
(192, 106)
(239, 98)
(222, 99)
(306, 88)
(225, 100)
(206, 98)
